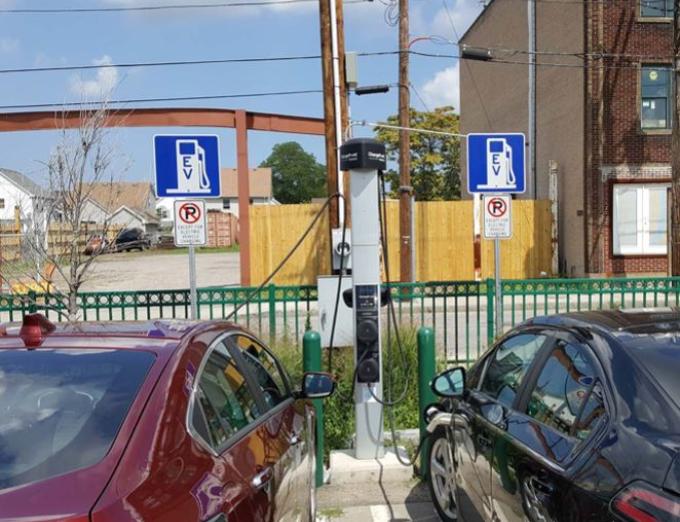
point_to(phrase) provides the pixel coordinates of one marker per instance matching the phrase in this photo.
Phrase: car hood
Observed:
(65, 498)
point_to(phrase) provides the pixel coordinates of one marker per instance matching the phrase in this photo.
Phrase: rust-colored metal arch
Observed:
(241, 120)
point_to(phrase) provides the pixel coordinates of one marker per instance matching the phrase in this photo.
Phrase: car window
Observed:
(266, 370)
(224, 403)
(509, 365)
(567, 390)
(62, 409)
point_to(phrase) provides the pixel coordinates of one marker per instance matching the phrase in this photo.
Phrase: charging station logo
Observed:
(496, 163)
(187, 166)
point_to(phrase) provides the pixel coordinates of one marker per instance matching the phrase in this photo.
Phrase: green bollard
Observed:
(426, 373)
(311, 362)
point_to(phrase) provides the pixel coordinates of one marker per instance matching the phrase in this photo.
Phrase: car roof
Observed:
(632, 320)
(155, 335)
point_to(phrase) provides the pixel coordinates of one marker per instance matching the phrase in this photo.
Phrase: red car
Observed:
(158, 421)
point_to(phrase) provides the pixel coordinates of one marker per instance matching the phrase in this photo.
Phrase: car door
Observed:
(561, 409)
(476, 417)
(283, 439)
(223, 417)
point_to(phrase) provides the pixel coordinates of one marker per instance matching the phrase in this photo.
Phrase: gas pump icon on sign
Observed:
(191, 170)
(499, 170)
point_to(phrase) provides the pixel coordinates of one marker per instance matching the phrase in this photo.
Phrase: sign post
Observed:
(497, 226)
(188, 167)
(191, 231)
(496, 168)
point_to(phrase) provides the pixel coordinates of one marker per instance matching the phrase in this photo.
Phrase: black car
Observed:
(131, 239)
(573, 417)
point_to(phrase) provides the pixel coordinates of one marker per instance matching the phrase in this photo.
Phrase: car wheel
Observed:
(441, 481)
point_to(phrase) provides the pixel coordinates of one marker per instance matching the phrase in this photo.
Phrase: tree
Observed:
(55, 233)
(297, 176)
(435, 159)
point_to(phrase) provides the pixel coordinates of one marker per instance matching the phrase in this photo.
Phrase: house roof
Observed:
(112, 196)
(260, 183)
(146, 217)
(20, 180)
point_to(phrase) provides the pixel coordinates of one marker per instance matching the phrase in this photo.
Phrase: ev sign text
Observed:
(190, 223)
(497, 217)
(187, 166)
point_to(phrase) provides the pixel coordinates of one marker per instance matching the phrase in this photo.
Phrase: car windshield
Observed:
(62, 409)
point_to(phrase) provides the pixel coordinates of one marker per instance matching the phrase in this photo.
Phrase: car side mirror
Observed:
(450, 383)
(317, 385)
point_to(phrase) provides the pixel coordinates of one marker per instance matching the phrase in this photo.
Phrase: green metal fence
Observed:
(460, 312)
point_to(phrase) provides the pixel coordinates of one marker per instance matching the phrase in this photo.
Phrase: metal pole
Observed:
(675, 151)
(531, 8)
(311, 362)
(337, 103)
(499, 289)
(192, 283)
(426, 372)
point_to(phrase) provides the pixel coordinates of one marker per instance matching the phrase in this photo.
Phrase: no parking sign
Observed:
(190, 227)
(497, 217)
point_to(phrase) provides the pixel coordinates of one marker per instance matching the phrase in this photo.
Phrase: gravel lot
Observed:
(160, 271)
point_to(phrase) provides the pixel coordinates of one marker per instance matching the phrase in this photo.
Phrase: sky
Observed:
(39, 40)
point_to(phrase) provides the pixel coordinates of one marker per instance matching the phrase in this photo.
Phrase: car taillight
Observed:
(641, 502)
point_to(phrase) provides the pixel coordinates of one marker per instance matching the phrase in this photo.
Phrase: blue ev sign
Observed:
(496, 163)
(187, 166)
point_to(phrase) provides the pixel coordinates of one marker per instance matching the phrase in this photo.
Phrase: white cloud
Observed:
(101, 86)
(8, 45)
(461, 12)
(443, 88)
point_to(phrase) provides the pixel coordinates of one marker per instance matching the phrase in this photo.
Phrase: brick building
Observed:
(604, 103)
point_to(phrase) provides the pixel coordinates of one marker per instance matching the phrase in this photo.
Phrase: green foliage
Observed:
(339, 422)
(296, 175)
(435, 159)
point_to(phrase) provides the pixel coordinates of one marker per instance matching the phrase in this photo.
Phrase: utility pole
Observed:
(343, 94)
(405, 188)
(675, 150)
(531, 20)
(329, 112)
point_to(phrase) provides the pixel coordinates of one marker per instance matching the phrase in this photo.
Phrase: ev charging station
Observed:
(363, 158)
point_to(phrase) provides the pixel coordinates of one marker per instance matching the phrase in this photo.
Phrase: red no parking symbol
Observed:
(189, 213)
(497, 207)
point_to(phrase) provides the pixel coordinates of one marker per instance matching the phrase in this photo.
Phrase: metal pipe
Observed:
(531, 18)
(338, 108)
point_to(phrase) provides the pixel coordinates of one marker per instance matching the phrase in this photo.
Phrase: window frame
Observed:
(643, 231)
(669, 98)
(547, 346)
(253, 386)
(565, 336)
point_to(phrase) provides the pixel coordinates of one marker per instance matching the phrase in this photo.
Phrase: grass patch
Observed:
(330, 513)
(400, 369)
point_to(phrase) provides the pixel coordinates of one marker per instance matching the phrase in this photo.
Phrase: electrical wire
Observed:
(155, 100)
(164, 7)
(287, 257)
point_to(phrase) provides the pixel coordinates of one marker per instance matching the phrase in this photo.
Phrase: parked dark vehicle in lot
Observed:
(156, 421)
(573, 417)
(131, 239)
(96, 244)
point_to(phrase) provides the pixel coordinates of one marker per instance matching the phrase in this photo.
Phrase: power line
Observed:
(164, 99)
(165, 7)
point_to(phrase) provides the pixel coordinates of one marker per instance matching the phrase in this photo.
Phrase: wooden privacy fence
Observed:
(444, 242)
(59, 239)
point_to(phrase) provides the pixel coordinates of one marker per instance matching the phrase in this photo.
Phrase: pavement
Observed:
(373, 490)
(156, 270)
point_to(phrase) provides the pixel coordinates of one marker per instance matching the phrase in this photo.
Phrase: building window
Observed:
(656, 8)
(656, 97)
(640, 219)
(2, 203)
(226, 204)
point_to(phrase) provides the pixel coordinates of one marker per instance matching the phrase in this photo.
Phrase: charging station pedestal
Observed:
(363, 157)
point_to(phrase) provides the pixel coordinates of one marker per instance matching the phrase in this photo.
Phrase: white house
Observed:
(18, 191)
(126, 217)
